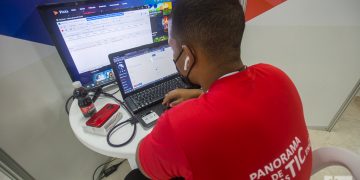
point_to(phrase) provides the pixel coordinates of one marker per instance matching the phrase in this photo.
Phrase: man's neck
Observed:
(216, 71)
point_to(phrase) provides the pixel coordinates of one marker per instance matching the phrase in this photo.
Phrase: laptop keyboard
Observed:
(155, 94)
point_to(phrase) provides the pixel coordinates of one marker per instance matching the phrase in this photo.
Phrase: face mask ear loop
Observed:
(177, 58)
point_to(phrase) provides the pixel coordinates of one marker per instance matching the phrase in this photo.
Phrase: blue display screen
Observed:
(85, 33)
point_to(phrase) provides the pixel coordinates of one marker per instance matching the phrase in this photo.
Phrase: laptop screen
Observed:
(143, 67)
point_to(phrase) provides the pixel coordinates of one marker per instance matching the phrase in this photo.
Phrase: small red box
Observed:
(105, 119)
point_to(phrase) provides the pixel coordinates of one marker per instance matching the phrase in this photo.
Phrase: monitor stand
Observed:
(111, 88)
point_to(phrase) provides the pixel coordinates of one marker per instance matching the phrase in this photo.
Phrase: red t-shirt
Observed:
(249, 125)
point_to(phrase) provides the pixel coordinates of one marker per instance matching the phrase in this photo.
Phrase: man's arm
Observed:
(138, 161)
(177, 96)
(159, 155)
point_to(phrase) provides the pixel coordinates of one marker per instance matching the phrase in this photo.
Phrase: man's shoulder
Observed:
(267, 67)
(189, 114)
(271, 76)
(186, 109)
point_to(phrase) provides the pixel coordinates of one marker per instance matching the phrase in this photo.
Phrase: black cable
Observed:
(101, 177)
(110, 170)
(67, 103)
(133, 120)
(97, 93)
(115, 92)
(101, 166)
(115, 128)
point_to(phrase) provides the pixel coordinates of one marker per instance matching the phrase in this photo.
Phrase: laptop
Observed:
(144, 75)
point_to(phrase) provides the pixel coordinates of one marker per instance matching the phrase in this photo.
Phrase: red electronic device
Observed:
(102, 121)
(99, 118)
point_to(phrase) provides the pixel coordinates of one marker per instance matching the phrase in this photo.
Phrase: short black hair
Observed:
(217, 26)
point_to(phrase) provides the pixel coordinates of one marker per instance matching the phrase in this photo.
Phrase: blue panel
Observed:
(12, 15)
(19, 19)
(33, 29)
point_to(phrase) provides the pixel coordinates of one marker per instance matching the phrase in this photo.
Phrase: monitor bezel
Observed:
(43, 10)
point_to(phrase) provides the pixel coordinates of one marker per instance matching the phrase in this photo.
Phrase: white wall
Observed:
(316, 42)
(34, 128)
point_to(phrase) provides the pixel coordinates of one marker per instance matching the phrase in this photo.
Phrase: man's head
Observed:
(205, 32)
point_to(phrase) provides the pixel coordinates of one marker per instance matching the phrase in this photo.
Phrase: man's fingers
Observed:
(166, 99)
(172, 95)
(174, 103)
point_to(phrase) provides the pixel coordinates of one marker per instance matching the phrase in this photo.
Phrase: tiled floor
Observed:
(346, 134)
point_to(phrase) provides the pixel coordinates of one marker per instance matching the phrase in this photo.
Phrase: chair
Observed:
(330, 156)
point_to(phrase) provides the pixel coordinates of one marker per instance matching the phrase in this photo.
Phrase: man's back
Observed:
(249, 125)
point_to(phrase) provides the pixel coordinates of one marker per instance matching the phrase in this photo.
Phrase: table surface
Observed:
(98, 143)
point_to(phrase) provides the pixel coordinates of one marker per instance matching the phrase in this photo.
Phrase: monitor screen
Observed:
(143, 67)
(86, 32)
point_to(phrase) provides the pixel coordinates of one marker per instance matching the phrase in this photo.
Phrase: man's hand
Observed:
(177, 96)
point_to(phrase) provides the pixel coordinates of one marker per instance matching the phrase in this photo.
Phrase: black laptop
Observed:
(144, 75)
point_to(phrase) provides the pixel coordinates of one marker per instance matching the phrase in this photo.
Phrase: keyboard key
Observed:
(156, 93)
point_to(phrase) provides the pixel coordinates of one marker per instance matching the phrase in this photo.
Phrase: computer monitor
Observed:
(86, 32)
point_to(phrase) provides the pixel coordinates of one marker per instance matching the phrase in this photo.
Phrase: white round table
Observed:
(98, 143)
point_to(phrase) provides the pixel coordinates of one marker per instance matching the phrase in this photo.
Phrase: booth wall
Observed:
(316, 42)
(34, 128)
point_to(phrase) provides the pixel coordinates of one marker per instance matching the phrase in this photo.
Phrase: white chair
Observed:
(330, 156)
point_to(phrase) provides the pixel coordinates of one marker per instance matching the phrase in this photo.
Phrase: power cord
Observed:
(108, 171)
(115, 92)
(67, 103)
(97, 93)
(133, 119)
(99, 167)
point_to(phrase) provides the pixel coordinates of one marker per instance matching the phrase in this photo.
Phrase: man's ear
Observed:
(189, 58)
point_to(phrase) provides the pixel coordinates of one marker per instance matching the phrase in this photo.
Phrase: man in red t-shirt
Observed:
(244, 123)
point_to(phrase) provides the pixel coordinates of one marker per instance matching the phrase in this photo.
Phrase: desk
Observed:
(98, 143)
